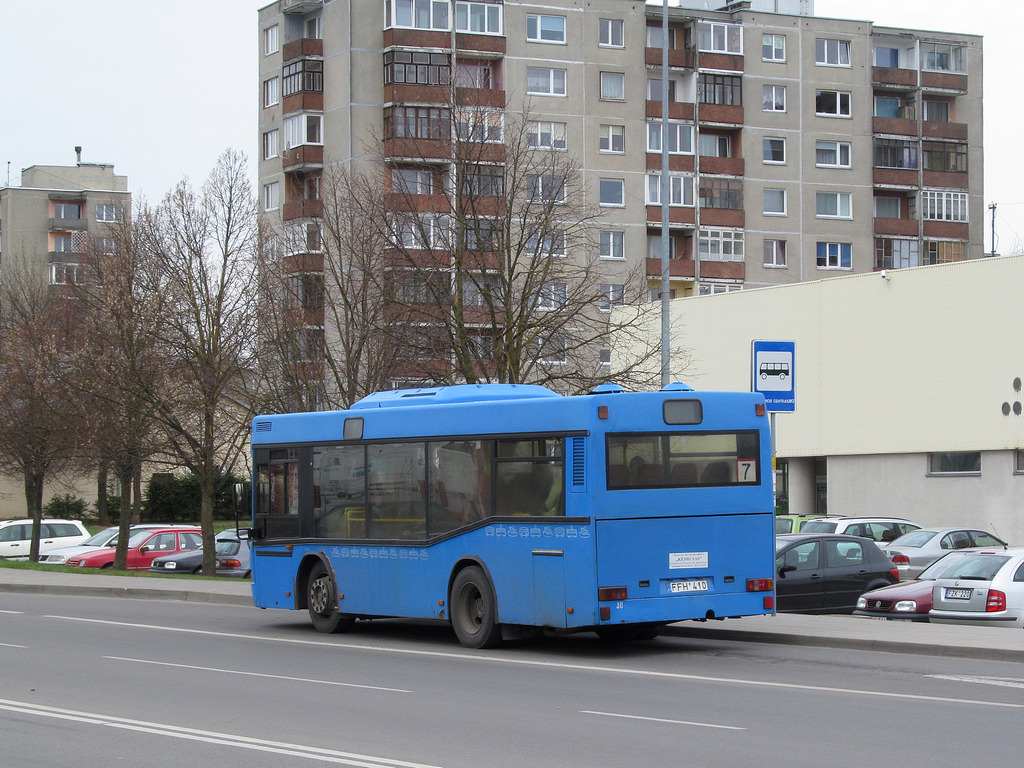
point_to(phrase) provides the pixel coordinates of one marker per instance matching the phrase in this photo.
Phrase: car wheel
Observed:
(322, 602)
(106, 566)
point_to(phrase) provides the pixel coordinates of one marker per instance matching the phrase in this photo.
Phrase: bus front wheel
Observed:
(322, 601)
(474, 610)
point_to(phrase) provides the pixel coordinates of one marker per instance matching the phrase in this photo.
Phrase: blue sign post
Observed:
(773, 374)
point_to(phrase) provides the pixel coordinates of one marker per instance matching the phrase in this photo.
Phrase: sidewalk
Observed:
(848, 632)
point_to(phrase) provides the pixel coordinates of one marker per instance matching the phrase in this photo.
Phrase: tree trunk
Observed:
(34, 504)
(102, 513)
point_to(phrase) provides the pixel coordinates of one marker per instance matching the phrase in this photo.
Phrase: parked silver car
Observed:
(913, 552)
(983, 588)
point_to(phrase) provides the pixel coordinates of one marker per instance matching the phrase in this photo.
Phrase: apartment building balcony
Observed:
(722, 217)
(417, 38)
(300, 6)
(729, 166)
(480, 97)
(677, 110)
(897, 126)
(944, 81)
(401, 201)
(676, 59)
(58, 224)
(723, 270)
(893, 78)
(302, 209)
(407, 93)
(418, 149)
(948, 179)
(721, 114)
(306, 157)
(676, 268)
(946, 230)
(300, 263)
(492, 46)
(303, 101)
(679, 216)
(677, 163)
(901, 227)
(301, 48)
(720, 62)
(935, 130)
(305, 316)
(896, 177)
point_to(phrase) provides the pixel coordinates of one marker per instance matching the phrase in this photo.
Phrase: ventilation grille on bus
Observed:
(263, 426)
(578, 463)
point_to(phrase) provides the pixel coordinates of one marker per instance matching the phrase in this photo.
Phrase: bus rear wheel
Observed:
(322, 601)
(474, 610)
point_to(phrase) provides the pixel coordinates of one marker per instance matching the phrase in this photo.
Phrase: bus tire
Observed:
(322, 600)
(474, 609)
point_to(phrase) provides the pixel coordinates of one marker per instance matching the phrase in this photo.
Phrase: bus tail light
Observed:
(769, 602)
(760, 585)
(759, 409)
(611, 593)
(996, 601)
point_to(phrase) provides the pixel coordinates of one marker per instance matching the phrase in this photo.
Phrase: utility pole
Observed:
(992, 207)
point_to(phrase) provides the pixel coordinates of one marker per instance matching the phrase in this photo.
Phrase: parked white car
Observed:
(982, 588)
(16, 536)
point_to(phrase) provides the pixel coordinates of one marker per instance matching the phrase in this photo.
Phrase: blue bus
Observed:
(507, 510)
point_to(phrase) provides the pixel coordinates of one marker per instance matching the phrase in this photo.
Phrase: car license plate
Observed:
(698, 585)
(958, 594)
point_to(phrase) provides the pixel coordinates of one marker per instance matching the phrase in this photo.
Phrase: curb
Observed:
(130, 592)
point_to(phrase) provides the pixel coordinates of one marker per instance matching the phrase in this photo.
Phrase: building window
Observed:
(476, 75)
(773, 98)
(545, 81)
(63, 244)
(654, 89)
(613, 86)
(720, 89)
(66, 273)
(834, 205)
(680, 138)
(610, 33)
(654, 37)
(314, 28)
(109, 212)
(774, 253)
(613, 192)
(412, 181)
(938, 205)
(774, 150)
(551, 296)
(271, 91)
(720, 244)
(304, 75)
(887, 57)
(943, 57)
(545, 29)
(936, 111)
(774, 202)
(417, 123)
(719, 38)
(415, 67)
(721, 193)
(483, 125)
(832, 53)
(714, 145)
(894, 253)
(302, 129)
(612, 245)
(887, 207)
(888, 106)
(613, 138)
(484, 180)
(944, 156)
(955, 463)
(612, 295)
(895, 153)
(546, 244)
(832, 103)
(271, 40)
(545, 188)
(943, 251)
(419, 14)
(773, 48)
(541, 134)
(67, 211)
(654, 252)
(835, 255)
(832, 154)
(713, 289)
(680, 190)
(604, 356)
(478, 18)
(271, 196)
(271, 144)
(106, 245)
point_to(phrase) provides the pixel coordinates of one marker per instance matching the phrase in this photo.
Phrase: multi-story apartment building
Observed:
(798, 147)
(46, 222)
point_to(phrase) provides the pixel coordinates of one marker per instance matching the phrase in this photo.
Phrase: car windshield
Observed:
(819, 526)
(101, 538)
(914, 539)
(138, 538)
(976, 567)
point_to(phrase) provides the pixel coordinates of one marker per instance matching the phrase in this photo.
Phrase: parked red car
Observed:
(144, 546)
(910, 600)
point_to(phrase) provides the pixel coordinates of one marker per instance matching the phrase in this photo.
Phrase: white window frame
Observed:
(271, 91)
(765, 146)
(296, 130)
(682, 190)
(765, 211)
(109, 212)
(612, 244)
(720, 244)
(774, 250)
(774, 48)
(834, 255)
(608, 135)
(554, 132)
(613, 86)
(272, 196)
(716, 37)
(957, 57)
(678, 129)
(611, 200)
(550, 243)
(557, 81)
(540, 185)
(943, 205)
(722, 144)
(271, 39)
(769, 98)
(468, 17)
(832, 52)
(611, 33)
(889, 200)
(272, 144)
(840, 202)
(65, 273)
(552, 297)
(839, 104)
(536, 31)
(479, 124)
(420, 183)
(409, 14)
(839, 148)
(612, 295)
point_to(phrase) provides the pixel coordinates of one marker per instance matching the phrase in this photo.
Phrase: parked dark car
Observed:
(232, 558)
(826, 573)
(909, 599)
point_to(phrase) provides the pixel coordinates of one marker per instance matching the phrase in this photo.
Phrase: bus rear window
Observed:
(684, 460)
(683, 411)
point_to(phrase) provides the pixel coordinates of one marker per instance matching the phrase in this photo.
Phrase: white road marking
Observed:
(1008, 682)
(518, 661)
(211, 737)
(17, 613)
(257, 674)
(12, 645)
(663, 720)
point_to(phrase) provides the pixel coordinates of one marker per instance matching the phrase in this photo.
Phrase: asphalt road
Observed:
(100, 681)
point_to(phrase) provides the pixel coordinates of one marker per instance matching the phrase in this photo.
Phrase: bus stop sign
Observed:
(773, 374)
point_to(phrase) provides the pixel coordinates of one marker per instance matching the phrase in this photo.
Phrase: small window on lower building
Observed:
(955, 463)
(1018, 466)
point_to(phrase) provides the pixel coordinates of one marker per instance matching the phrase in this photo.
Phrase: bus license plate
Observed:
(698, 585)
(958, 594)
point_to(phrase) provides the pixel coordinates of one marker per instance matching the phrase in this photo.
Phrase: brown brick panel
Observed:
(947, 230)
(906, 227)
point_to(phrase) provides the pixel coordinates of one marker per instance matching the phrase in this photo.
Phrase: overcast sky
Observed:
(161, 90)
